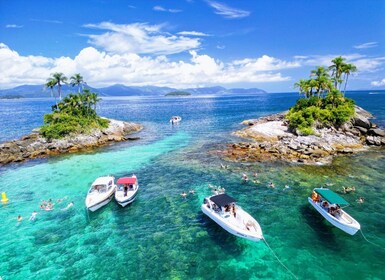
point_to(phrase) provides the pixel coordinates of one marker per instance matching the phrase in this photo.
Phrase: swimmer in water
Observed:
(69, 205)
(19, 218)
(33, 216)
(183, 194)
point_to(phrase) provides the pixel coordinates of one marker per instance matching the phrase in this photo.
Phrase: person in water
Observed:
(33, 216)
(69, 205)
(183, 194)
(19, 218)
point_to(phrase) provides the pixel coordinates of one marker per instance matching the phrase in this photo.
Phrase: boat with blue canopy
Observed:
(328, 204)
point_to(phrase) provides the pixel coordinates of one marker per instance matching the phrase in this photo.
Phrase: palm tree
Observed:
(51, 84)
(321, 79)
(337, 70)
(58, 79)
(347, 70)
(303, 87)
(77, 80)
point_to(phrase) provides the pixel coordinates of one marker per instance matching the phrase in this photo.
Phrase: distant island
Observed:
(11, 97)
(39, 91)
(178, 93)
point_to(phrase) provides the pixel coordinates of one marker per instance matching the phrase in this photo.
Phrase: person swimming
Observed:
(19, 218)
(33, 216)
(183, 194)
(69, 205)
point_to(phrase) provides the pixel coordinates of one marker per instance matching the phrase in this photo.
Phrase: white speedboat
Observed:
(223, 210)
(100, 193)
(126, 190)
(328, 204)
(175, 119)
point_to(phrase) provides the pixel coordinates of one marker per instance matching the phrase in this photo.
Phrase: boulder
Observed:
(361, 122)
(376, 132)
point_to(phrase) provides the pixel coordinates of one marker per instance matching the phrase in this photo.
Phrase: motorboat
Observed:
(126, 190)
(100, 193)
(223, 210)
(328, 204)
(175, 119)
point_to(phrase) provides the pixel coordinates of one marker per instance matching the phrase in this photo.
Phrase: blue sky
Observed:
(190, 43)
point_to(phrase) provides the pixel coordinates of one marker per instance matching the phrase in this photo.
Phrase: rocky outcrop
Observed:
(35, 146)
(273, 140)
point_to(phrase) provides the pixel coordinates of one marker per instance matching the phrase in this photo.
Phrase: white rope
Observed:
(370, 241)
(275, 255)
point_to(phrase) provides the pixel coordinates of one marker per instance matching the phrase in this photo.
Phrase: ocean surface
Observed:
(165, 236)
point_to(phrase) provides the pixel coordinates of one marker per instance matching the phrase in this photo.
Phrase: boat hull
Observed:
(124, 200)
(99, 204)
(229, 227)
(350, 227)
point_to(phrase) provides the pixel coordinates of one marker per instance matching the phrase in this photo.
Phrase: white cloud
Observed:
(100, 68)
(362, 62)
(366, 45)
(13, 26)
(161, 9)
(139, 38)
(193, 33)
(378, 83)
(226, 11)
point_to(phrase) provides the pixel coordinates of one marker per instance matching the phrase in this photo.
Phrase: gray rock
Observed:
(362, 122)
(362, 130)
(376, 132)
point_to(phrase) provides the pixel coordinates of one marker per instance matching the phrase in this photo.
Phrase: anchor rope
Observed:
(275, 255)
(370, 241)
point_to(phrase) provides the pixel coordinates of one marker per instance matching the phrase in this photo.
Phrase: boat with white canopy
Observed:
(126, 190)
(223, 210)
(328, 204)
(100, 193)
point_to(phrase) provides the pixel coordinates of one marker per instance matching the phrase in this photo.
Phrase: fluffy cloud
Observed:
(139, 38)
(193, 33)
(101, 68)
(378, 83)
(362, 62)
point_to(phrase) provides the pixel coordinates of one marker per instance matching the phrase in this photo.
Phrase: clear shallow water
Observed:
(163, 236)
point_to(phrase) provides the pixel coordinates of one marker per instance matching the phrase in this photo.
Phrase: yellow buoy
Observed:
(4, 197)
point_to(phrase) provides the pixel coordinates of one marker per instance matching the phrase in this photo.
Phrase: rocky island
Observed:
(272, 139)
(72, 126)
(35, 145)
(322, 124)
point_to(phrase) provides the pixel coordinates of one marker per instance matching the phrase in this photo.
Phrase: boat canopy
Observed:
(222, 199)
(331, 196)
(126, 180)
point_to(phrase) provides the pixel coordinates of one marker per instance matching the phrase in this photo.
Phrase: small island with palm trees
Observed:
(322, 124)
(72, 126)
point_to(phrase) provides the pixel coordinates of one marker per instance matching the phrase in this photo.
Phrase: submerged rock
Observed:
(35, 146)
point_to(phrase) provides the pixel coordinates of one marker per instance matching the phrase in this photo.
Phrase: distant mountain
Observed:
(33, 91)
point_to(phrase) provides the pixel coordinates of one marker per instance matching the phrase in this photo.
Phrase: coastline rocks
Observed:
(273, 140)
(34, 146)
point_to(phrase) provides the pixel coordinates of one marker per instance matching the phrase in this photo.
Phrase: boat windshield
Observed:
(98, 188)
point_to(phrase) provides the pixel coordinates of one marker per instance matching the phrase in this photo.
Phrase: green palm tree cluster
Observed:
(79, 104)
(324, 103)
(322, 83)
(75, 113)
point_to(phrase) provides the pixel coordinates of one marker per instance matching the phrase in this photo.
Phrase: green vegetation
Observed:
(76, 113)
(323, 103)
(178, 93)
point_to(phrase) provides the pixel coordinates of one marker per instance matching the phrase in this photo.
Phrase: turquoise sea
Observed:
(164, 236)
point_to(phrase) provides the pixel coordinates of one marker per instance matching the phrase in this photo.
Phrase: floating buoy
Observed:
(4, 198)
